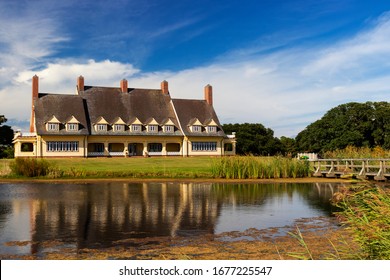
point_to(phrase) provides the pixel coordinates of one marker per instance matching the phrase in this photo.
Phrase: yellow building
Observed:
(122, 121)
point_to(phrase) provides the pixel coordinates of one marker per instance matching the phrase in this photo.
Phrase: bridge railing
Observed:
(362, 168)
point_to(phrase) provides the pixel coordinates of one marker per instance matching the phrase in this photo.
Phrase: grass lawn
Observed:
(135, 167)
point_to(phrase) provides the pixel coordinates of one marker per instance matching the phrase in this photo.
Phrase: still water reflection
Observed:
(96, 215)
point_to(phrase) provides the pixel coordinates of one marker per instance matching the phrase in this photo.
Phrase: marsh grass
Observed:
(365, 210)
(352, 152)
(251, 167)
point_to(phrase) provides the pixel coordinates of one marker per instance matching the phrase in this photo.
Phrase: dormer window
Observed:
(72, 127)
(211, 126)
(72, 124)
(196, 128)
(53, 126)
(119, 127)
(152, 125)
(212, 129)
(136, 128)
(169, 128)
(101, 127)
(195, 125)
(153, 128)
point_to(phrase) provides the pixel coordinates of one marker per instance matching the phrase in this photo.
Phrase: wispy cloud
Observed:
(283, 87)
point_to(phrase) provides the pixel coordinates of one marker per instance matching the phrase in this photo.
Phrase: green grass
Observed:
(153, 167)
(169, 167)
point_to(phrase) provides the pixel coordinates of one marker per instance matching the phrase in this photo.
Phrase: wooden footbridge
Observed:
(377, 169)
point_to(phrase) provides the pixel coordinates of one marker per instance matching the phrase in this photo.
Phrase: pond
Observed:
(97, 215)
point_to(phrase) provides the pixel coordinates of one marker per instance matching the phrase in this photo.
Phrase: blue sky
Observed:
(279, 63)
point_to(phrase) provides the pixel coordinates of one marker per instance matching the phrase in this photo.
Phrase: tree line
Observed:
(351, 124)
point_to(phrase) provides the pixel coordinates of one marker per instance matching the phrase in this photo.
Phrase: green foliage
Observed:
(254, 138)
(6, 136)
(30, 167)
(366, 211)
(250, 167)
(355, 152)
(352, 124)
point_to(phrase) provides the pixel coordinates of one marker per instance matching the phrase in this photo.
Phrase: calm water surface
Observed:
(99, 214)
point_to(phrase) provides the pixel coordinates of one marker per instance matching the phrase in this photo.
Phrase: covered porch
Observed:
(129, 149)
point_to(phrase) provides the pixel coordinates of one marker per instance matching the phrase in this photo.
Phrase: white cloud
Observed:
(284, 90)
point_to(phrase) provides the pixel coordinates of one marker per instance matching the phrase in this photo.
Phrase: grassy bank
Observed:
(153, 167)
(157, 167)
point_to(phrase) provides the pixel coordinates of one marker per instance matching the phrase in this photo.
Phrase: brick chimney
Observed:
(208, 94)
(124, 86)
(164, 87)
(80, 83)
(35, 89)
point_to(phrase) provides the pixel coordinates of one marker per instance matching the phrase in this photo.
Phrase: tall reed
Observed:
(251, 167)
(366, 211)
(358, 152)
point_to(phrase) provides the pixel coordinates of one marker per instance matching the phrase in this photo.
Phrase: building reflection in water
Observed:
(98, 215)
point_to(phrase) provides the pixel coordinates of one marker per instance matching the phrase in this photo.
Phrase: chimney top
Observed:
(208, 94)
(164, 87)
(35, 90)
(124, 87)
(80, 83)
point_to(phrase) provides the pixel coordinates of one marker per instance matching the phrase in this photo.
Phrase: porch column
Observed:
(145, 151)
(126, 149)
(164, 148)
(106, 152)
(185, 147)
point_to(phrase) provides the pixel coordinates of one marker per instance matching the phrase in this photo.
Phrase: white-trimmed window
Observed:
(153, 128)
(211, 129)
(169, 128)
(136, 128)
(53, 126)
(62, 146)
(196, 128)
(119, 127)
(72, 127)
(101, 127)
(204, 146)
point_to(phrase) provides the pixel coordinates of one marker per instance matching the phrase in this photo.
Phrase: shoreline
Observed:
(195, 180)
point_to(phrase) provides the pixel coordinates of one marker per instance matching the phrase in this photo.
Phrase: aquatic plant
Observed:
(365, 210)
(358, 152)
(251, 167)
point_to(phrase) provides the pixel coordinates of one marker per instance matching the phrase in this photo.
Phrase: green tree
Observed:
(289, 145)
(6, 136)
(357, 124)
(254, 138)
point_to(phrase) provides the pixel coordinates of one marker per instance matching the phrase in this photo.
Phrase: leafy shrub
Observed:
(30, 167)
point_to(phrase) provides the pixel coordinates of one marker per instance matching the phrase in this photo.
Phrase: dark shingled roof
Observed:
(110, 103)
(188, 110)
(63, 107)
(144, 104)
